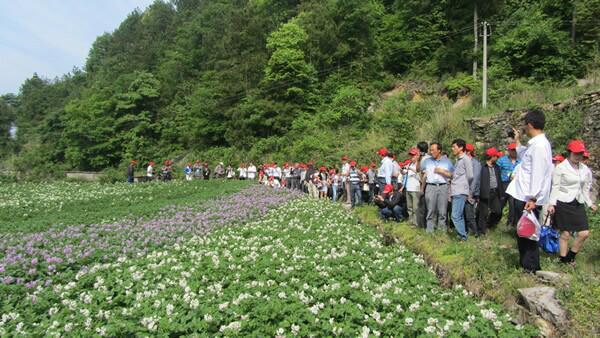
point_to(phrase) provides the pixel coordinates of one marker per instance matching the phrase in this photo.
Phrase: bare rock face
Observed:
(541, 300)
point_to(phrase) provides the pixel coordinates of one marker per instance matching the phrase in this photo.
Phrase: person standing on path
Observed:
(507, 164)
(413, 186)
(436, 190)
(471, 207)
(571, 185)
(345, 182)
(490, 211)
(460, 187)
(532, 182)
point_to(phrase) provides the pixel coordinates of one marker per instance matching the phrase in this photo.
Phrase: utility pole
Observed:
(475, 31)
(484, 96)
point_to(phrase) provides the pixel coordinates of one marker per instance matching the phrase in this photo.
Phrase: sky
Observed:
(50, 37)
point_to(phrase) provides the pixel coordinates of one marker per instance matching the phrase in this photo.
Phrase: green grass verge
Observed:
(488, 267)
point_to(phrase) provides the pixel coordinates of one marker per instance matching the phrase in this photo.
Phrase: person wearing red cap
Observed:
(345, 182)
(570, 195)
(389, 204)
(131, 171)
(412, 184)
(472, 202)
(386, 169)
(197, 170)
(557, 159)
(364, 184)
(372, 181)
(324, 178)
(507, 164)
(251, 171)
(242, 172)
(532, 182)
(336, 184)
(490, 211)
(206, 171)
(354, 180)
(150, 171)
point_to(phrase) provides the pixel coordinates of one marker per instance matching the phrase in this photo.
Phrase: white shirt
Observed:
(277, 172)
(413, 181)
(533, 176)
(396, 169)
(569, 184)
(149, 171)
(345, 171)
(386, 169)
(251, 172)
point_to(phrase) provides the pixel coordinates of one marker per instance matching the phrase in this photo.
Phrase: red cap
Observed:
(413, 151)
(576, 146)
(331, 172)
(133, 161)
(388, 188)
(382, 152)
(500, 154)
(586, 154)
(344, 158)
(373, 165)
(407, 163)
(364, 169)
(322, 168)
(558, 158)
(352, 163)
(512, 146)
(491, 152)
(469, 147)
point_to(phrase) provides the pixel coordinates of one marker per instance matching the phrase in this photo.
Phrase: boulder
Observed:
(541, 300)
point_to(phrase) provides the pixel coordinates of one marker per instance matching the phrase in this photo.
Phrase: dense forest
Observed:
(277, 79)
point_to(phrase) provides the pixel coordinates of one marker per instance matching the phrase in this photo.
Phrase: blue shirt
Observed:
(429, 168)
(506, 167)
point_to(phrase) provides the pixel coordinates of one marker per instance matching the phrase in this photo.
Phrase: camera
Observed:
(510, 132)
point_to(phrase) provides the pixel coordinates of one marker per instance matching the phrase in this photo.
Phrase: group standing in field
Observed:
(430, 191)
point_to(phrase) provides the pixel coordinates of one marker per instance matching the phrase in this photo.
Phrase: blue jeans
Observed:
(334, 191)
(458, 214)
(386, 213)
(356, 194)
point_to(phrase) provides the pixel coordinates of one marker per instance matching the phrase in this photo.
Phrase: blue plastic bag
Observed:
(549, 239)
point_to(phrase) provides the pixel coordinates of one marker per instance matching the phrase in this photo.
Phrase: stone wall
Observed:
(494, 129)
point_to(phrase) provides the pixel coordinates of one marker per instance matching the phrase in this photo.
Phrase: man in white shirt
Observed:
(532, 182)
(386, 169)
(345, 181)
(150, 171)
(251, 171)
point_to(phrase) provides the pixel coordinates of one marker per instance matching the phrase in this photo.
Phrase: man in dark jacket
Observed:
(389, 204)
(490, 211)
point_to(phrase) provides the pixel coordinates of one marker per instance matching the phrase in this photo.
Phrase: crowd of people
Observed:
(430, 191)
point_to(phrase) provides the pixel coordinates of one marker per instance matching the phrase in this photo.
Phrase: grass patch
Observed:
(489, 268)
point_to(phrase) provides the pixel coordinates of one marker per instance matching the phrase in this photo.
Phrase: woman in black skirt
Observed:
(570, 194)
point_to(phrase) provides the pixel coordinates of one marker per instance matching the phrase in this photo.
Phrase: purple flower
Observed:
(34, 261)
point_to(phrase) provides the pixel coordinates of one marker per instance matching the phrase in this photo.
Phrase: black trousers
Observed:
(422, 212)
(471, 218)
(529, 251)
(490, 213)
